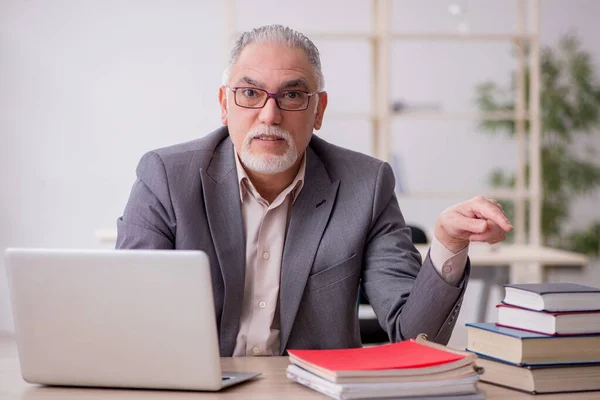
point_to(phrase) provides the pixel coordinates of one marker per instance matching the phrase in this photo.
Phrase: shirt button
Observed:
(447, 270)
(256, 350)
(262, 304)
(266, 255)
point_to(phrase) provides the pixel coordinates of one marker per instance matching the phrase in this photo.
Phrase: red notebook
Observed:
(401, 355)
(410, 357)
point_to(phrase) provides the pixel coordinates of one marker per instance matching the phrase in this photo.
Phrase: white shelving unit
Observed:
(523, 112)
(381, 38)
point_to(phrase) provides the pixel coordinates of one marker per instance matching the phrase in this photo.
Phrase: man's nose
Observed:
(270, 114)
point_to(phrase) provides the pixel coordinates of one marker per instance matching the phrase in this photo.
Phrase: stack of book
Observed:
(547, 339)
(404, 370)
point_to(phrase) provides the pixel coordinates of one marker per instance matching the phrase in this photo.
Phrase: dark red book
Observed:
(549, 323)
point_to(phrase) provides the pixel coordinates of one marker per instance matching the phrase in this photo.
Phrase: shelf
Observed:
(474, 116)
(485, 37)
(425, 36)
(428, 115)
(497, 194)
(106, 235)
(343, 36)
(350, 115)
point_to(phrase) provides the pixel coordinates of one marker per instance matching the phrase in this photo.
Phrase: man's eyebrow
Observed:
(294, 83)
(250, 81)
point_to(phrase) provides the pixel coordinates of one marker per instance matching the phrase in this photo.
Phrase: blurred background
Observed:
(444, 90)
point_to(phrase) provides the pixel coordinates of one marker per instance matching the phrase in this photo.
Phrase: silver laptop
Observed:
(116, 318)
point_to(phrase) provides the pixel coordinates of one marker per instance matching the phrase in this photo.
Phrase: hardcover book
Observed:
(526, 348)
(553, 297)
(550, 323)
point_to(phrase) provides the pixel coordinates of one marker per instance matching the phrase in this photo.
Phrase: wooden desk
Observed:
(526, 263)
(482, 254)
(272, 384)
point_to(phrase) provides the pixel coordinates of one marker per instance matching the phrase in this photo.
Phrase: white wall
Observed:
(87, 86)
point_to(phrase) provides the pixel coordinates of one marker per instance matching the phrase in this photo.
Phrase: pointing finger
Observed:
(486, 209)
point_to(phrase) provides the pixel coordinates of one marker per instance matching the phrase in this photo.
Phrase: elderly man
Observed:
(293, 225)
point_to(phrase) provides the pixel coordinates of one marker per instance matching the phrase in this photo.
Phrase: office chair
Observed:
(370, 330)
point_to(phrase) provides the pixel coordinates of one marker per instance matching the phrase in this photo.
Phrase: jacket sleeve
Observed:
(407, 297)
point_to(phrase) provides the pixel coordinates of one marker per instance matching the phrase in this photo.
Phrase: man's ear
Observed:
(223, 104)
(321, 106)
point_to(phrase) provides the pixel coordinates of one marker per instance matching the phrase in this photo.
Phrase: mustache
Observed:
(266, 130)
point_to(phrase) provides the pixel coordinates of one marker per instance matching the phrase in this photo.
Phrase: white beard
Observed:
(269, 163)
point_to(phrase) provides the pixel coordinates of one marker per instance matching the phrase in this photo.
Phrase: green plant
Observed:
(570, 104)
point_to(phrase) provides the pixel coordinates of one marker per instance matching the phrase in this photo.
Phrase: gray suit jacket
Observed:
(346, 230)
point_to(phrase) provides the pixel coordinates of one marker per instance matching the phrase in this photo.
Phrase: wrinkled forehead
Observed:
(273, 67)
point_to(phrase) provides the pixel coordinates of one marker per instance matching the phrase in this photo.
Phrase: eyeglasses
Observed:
(287, 100)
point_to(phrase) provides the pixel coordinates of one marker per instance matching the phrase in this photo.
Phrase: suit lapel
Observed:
(221, 192)
(310, 214)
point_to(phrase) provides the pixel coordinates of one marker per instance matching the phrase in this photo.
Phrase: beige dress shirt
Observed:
(265, 227)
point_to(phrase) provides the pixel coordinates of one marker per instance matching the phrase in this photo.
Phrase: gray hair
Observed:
(281, 35)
